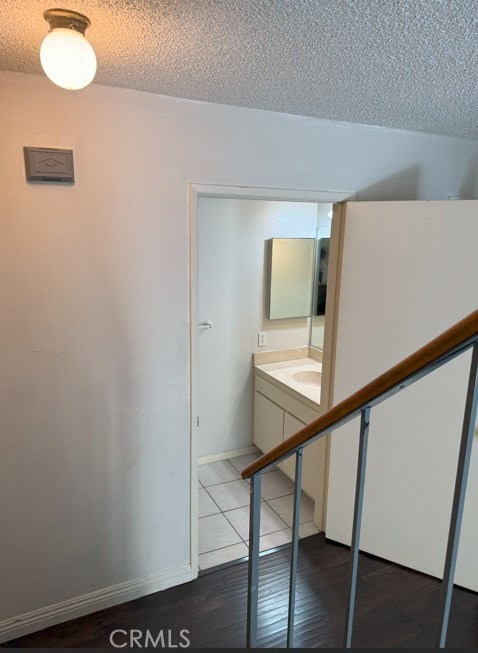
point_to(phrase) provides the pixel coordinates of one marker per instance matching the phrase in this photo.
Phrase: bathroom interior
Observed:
(262, 281)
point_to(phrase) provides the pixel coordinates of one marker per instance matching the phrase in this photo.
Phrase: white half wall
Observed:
(409, 272)
(95, 465)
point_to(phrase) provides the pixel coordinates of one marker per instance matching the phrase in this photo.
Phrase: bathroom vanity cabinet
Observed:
(279, 412)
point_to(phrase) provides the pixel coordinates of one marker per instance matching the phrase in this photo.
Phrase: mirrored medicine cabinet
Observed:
(291, 276)
(297, 277)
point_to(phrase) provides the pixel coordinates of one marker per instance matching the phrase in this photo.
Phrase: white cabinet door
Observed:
(291, 426)
(273, 424)
(268, 423)
(313, 465)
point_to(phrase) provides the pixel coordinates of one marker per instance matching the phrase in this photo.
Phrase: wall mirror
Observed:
(291, 277)
(298, 274)
(317, 323)
(322, 268)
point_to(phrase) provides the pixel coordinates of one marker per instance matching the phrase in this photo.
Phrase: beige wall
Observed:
(95, 464)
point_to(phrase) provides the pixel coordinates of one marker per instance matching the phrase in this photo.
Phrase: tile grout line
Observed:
(215, 502)
(229, 521)
(264, 501)
(231, 480)
(241, 540)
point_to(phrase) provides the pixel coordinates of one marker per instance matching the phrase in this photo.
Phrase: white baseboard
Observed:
(227, 454)
(79, 606)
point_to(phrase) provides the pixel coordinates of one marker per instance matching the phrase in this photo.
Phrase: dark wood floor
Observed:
(396, 608)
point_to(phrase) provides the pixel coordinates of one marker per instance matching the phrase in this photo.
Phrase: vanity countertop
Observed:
(302, 375)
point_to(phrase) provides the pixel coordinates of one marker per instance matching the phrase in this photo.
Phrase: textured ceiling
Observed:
(410, 64)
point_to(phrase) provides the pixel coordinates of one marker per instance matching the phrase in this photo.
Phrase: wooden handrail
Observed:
(453, 337)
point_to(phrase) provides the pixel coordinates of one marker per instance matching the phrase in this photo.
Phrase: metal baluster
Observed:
(359, 492)
(253, 570)
(295, 547)
(458, 500)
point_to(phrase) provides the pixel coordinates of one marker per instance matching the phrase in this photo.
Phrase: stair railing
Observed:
(453, 342)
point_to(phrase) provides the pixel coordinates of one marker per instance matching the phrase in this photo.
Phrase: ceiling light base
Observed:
(66, 19)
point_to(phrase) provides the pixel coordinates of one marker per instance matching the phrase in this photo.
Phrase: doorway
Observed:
(227, 268)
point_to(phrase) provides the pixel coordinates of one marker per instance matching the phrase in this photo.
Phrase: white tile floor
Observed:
(224, 511)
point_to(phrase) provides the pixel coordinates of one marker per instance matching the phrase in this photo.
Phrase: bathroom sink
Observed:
(308, 377)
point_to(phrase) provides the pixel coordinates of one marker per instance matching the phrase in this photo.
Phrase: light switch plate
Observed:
(49, 164)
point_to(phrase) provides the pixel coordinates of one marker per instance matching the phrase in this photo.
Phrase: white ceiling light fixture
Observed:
(67, 58)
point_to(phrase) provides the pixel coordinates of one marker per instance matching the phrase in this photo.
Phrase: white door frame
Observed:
(196, 191)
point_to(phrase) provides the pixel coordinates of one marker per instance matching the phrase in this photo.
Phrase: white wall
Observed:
(233, 273)
(95, 465)
(409, 272)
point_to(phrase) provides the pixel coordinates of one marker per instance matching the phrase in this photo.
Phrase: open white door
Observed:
(409, 271)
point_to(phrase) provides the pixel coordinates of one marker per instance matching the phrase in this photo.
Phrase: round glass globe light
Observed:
(68, 59)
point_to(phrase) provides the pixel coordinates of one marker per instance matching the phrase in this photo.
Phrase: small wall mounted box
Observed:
(49, 164)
